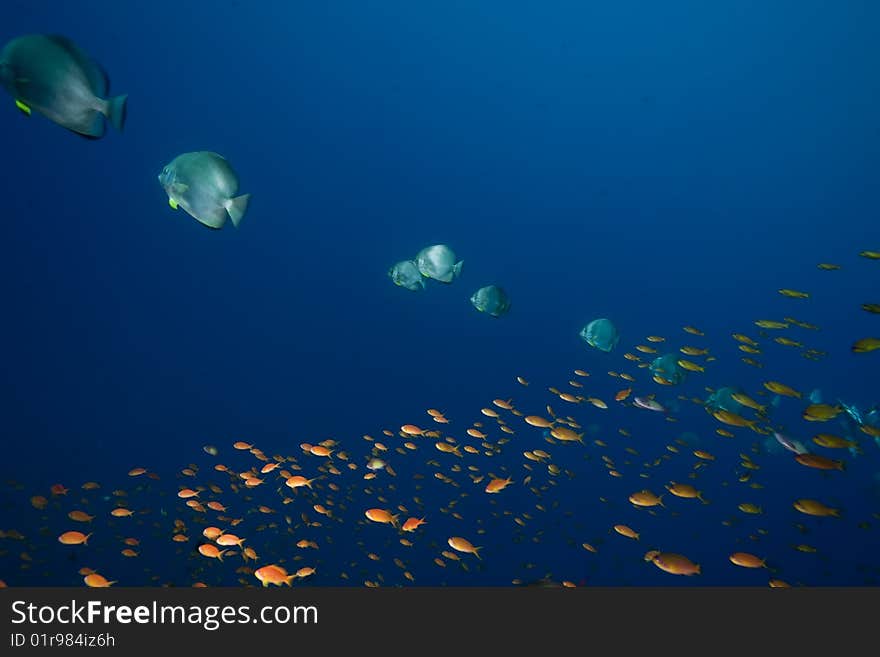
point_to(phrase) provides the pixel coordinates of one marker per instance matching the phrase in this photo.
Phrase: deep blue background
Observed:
(657, 164)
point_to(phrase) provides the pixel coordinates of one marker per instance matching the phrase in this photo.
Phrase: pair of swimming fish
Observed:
(53, 76)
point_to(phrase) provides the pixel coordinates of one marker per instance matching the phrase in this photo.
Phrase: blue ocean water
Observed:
(660, 165)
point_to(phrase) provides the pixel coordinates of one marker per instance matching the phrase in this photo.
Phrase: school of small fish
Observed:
(269, 518)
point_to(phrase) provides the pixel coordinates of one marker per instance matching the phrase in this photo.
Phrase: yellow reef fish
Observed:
(781, 389)
(732, 419)
(794, 294)
(821, 412)
(833, 442)
(804, 325)
(745, 400)
(748, 507)
(771, 324)
(865, 345)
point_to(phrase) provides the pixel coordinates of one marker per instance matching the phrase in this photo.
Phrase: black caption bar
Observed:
(464, 619)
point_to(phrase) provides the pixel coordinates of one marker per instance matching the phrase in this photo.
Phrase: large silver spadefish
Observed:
(600, 334)
(205, 185)
(438, 262)
(407, 275)
(51, 75)
(492, 300)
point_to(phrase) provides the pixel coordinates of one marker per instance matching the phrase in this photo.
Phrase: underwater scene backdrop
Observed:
(440, 293)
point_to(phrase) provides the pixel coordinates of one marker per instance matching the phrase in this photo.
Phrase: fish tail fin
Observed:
(456, 269)
(117, 110)
(289, 579)
(236, 207)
